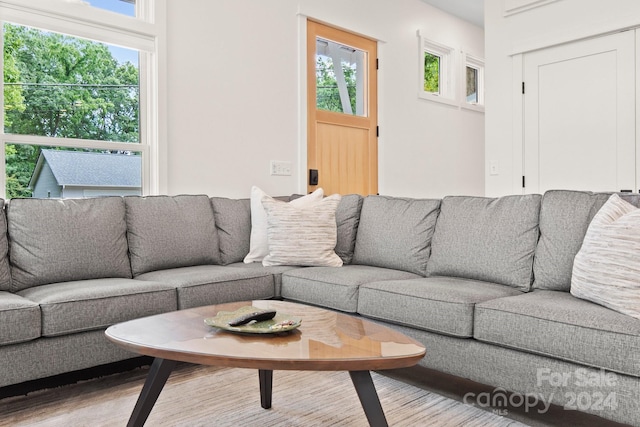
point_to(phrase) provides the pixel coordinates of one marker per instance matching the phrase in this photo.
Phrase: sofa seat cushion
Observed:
(214, 284)
(19, 319)
(335, 288)
(556, 324)
(439, 304)
(275, 270)
(54, 240)
(486, 239)
(86, 305)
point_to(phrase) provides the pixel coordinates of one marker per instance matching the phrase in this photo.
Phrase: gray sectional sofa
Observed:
(482, 282)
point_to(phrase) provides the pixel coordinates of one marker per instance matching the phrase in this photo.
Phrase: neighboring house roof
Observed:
(79, 168)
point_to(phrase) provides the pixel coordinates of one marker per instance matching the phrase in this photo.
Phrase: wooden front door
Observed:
(342, 142)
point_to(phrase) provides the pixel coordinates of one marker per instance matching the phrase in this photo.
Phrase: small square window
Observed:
(436, 72)
(474, 81)
(431, 73)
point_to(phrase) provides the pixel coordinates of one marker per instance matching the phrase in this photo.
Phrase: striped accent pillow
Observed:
(606, 270)
(302, 235)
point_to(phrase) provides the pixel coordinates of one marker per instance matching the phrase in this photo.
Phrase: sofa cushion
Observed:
(19, 319)
(439, 304)
(86, 305)
(214, 284)
(53, 240)
(556, 324)
(564, 218)
(302, 235)
(233, 222)
(5, 273)
(335, 288)
(606, 270)
(347, 220)
(396, 233)
(275, 270)
(168, 232)
(259, 243)
(491, 240)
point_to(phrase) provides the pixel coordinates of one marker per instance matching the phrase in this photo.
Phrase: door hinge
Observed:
(377, 63)
(377, 131)
(523, 182)
(523, 88)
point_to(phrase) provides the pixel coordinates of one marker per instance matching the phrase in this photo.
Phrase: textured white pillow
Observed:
(302, 235)
(258, 243)
(606, 270)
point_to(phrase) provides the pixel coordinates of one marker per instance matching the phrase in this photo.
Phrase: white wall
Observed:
(507, 38)
(236, 96)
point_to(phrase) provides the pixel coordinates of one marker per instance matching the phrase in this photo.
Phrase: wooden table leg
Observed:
(156, 379)
(368, 398)
(266, 386)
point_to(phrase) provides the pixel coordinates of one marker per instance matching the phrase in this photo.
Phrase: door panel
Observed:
(579, 124)
(342, 110)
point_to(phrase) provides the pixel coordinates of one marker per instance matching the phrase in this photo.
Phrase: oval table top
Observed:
(325, 341)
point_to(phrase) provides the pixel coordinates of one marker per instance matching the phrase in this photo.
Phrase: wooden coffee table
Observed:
(325, 341)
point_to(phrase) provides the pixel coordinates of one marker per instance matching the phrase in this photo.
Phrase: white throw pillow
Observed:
(302, 235)
(606, 270)
(258, 243)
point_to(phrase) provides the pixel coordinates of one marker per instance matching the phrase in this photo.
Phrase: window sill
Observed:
(473, 107)
(436, 98)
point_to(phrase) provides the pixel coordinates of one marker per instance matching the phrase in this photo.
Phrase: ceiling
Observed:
(469, 10)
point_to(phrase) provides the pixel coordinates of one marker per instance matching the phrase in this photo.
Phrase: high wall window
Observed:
(450, 76)
(437, 71)
(79, 114)
(474, 81)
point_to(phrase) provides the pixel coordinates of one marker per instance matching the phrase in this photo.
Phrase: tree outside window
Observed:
(60, 86)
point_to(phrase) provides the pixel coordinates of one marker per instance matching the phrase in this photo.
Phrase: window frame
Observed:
(447, 81)
(80, 20)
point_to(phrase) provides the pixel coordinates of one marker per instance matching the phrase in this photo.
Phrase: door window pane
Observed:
(340, 78)
(472, 85)
(61, 86)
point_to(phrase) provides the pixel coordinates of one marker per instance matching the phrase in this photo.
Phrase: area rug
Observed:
(210, 396)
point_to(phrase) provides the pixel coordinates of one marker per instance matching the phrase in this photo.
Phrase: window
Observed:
(125, 7)
(431, 73)
(474, 83)
(79, 116)
(436, 72)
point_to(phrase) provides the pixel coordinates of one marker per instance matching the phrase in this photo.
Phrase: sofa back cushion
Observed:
(170, 231)
(5, 273)
(54, 240)
(487, 239)
(564, 219)
(347, 220)
(396, 233)
(233, 222)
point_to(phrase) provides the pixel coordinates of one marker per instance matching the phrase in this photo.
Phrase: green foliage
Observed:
(62, 86)
(327, 95)
(431, 73)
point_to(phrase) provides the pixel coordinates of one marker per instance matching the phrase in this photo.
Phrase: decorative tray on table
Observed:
(278, 323)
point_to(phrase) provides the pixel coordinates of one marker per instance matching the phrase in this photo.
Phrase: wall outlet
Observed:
(280, 168)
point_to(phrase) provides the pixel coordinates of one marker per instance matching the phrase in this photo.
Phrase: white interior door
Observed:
(579, 116)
